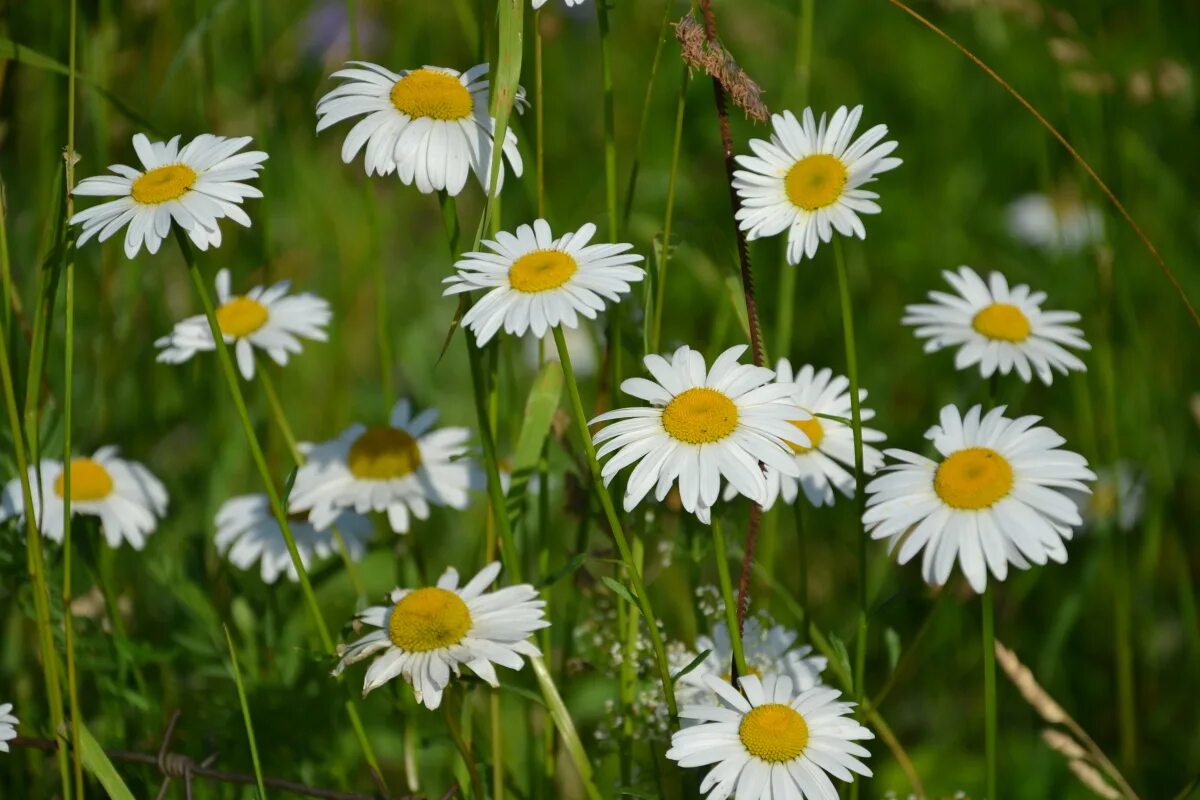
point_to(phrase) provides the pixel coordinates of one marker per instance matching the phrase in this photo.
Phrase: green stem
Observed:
(804, 49)
(613, 334)
(539, 114)
(860, 649)
(989, 689)
(660, 280)
(68, 383)
(723, 577)
(241, 691)
(802, 554)
(497, 745)
(664, 32)
(278, 510)
(7, 295)
(464, 750)
(784, 315)
(614, 521)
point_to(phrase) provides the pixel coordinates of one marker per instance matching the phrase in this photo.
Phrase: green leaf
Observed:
(566, 569)
(505, 84)
(843, 655)
(891, 640)
(97, 763)
(733, 285)
(691, 665)
(620, 590)
(539, 414)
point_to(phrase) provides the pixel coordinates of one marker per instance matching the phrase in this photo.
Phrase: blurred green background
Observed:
(1118, 78)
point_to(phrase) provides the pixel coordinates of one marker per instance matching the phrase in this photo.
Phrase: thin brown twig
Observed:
(756, 346)
(174, 765)
(1045, 123)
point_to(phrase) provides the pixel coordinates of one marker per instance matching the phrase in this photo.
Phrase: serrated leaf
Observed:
(691, 665)
(97, 763)
(620, 590)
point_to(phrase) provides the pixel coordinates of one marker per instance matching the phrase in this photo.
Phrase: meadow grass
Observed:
(105, 645)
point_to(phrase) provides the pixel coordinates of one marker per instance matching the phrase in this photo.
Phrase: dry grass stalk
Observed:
(1062, 743)
(1033, 693)
(713, 59)
(1090, 777)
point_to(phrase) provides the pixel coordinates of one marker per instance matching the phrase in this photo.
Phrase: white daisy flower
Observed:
(8, 726)
(829, 462)
(427, 634)
(806, 180)
(1118, 497)
(247, 533)
(430, 125)
(267, 318)
(536, 282)
(401, 468)
(539, 3)
(998, 496)
(998, 328)
(126, 497)
(768, 650)
(1059, 224)
(769, 743)
(194, 186)
(702, 425)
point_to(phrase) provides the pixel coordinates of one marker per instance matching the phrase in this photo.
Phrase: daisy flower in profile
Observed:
(806, 179)
(401, 468)
(126, 497)
(426, 634)
(247, 533)
(998, 328)
(702, 425)
(769, 649)
(535, 282)
(999, 495)
(1057, 224)
(828, 462)
(769, 742)
(264, 317)
(430, 126)
(194, 186)
(8, 726)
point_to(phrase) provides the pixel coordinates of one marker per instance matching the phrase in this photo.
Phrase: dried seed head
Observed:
(713, 59)
(1091, 778)
(1023, 679)
(1063, 743)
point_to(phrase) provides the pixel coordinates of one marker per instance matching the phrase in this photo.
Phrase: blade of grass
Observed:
(241, 690)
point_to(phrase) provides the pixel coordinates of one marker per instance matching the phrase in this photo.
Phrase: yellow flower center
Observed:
(542, 270)
(1104, 499)
(429, 619)
(381, 454)
(426, 93)
(811, 428)
(774, 732)
(815, 181)
(89, 481)
(1002, 321)
(241, 316)
(163, 183)
(973, 478)
(700, 416)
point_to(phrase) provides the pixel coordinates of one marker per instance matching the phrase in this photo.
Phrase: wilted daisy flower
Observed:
(427, 634)
(8, 726)
(123, 494)
(537, 282)
(247, 533)
(195, 187)
(400, 468)
(767, 648)
(1059, 224)
(998, 328)
(702, 425)
(832, 442)
(806, 180)
(267, 318)
(430, 125)
(769, 743)
(998, 496)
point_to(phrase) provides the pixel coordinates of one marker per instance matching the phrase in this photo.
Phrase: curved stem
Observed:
(278, 510)
(614, 522)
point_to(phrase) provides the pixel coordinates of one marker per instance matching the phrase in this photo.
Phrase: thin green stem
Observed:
(278, 510)
(664, 32)
(610, 133)
(802, 554)
(539, 113)
(860, 649)
(660, 279)
(784, 315)
(464, 750)
(804, 49)
(241, 691)
(277, 414)
(614, 521)
(7, 294)
(723, 577)
(497, 744)
(68, 383)
(989, 689)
